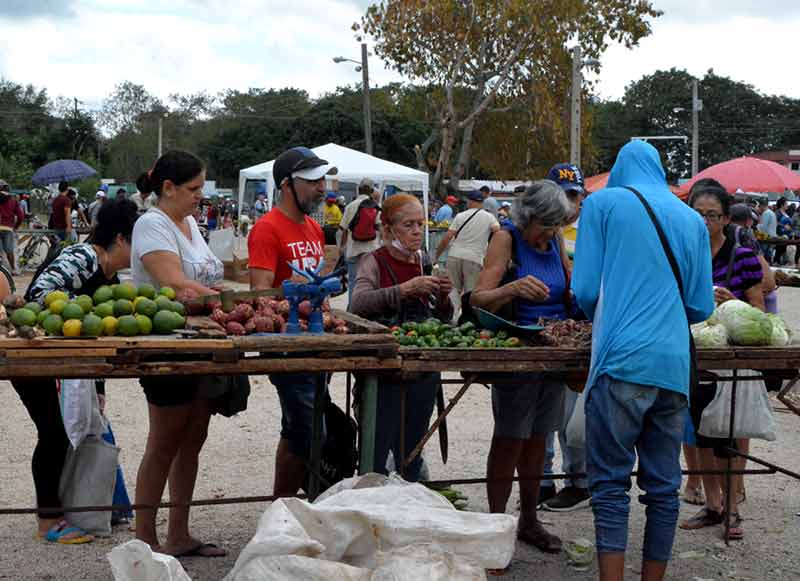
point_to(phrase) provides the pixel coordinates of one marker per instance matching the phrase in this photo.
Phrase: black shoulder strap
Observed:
(663, 238)
(475, 213)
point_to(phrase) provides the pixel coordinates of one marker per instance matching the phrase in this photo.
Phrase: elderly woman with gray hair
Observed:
(525, 269)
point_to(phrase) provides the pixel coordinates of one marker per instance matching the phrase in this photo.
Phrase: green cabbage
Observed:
(710, 335)
(746, 325)
(781, 335)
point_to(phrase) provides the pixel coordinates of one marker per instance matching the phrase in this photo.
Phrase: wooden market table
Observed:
(371, 350)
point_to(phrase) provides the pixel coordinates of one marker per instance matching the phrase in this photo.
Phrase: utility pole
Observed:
(367, 112)
(575, 115)
(160, 133)
(76, 107)
(697, 106)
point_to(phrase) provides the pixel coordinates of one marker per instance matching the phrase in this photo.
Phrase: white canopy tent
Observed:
(353, 166)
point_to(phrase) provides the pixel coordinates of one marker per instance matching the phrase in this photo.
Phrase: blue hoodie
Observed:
(623, 282)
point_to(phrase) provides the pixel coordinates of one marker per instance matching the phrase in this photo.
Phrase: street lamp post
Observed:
(575, 117)
(364, 68)
(161, 118)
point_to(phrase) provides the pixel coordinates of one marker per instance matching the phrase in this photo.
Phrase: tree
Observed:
(477, 50)
(736, 120)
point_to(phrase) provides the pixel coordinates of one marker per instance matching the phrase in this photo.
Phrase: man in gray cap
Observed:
(360, 227)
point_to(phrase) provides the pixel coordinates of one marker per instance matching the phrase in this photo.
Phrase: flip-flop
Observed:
(705, 517)
(735, 530)
(60, 530)
(199, 551)
(537, 536)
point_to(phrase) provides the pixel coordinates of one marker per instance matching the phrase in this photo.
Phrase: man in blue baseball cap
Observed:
(575, 493)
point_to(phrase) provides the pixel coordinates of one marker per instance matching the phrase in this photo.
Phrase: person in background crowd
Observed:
(575, 493)
(77, 217)
(768, 225)
(61, 214)
(527, 407)
(394, 285)
(288, 234)
(490, 203)
(260, 205)
(447, 211)
(212, 215)
(143, 200)
(341, 201)
(355, 249)
(636, 395)
(122, 194)
(333, 218)
(25, 204)
(737, 275)
(11, 218)
(504, 212)
(783, 229)
(78, 269)
(468, 238)
(168, 250)
(94, 207)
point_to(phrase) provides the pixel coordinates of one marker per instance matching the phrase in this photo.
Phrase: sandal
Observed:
(735, 530)
(59, 532)
(693, 495)
(538, 536)
(704, 518)
(208, 550)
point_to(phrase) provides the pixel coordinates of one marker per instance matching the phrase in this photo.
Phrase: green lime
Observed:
(92, 326)
(145, 306)
(145, 324)
(23, 317)
(72, 311)
(105, 309)
(103, 294)
(42, 316)
(147, 291)
(180, 321)
(164, 322)
(163, 303)
(125, 291)
(53, 324)
(110, 325)
(123, 307)
(177, 307)
(86, 303)
(128, 326)
(34, 306)
(167, 292)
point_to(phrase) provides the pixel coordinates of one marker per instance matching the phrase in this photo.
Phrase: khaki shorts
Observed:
(463, 273)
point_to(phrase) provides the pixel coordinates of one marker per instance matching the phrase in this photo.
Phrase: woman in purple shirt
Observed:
(738, 275)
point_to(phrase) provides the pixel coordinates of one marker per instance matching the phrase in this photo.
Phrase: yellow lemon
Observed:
(55, 296)
(57, 306)
(110, 325)
(72, 328)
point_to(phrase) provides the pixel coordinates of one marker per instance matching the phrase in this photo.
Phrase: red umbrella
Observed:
(598, 182)
(749, 174)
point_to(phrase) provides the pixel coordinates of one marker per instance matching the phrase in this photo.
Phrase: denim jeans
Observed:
(296, 393)
(573, 459)
(624, 420)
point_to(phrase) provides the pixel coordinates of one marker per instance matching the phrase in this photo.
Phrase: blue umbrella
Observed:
(62, 170)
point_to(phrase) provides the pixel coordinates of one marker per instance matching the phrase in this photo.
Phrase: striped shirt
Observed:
(746, 269)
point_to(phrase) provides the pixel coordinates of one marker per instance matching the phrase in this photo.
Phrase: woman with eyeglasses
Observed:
(737, 275)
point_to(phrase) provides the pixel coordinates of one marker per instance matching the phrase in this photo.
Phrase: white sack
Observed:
(136, 561)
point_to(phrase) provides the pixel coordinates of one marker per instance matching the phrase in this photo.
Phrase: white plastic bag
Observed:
(136, 561)
(80, 410)
(88, 479)
(754, 417)
(576, 426)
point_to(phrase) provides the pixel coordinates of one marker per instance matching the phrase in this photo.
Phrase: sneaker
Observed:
(546, 493)
(570, 498)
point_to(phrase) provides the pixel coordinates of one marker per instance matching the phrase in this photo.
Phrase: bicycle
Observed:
(39, 247)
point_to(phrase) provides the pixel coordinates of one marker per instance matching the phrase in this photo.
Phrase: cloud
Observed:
(26, 9)
(719, 11)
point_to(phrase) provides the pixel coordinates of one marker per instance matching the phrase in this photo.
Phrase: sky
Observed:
(82, 48)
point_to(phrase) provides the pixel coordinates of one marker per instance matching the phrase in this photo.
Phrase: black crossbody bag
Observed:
(694, 378)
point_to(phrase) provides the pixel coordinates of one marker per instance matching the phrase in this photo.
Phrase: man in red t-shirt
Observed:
(288, 234)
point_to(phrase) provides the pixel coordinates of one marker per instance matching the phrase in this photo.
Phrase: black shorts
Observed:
(170, 390)
(700, 400)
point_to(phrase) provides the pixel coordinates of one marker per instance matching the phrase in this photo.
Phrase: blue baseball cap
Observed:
(568, 176)
(475, 196)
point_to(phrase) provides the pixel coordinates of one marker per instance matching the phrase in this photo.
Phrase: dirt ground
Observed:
(239, 457)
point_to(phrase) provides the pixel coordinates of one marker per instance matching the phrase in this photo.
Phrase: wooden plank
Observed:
(58, 353)
(494, 355)
(289, 343)
(417, 366)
